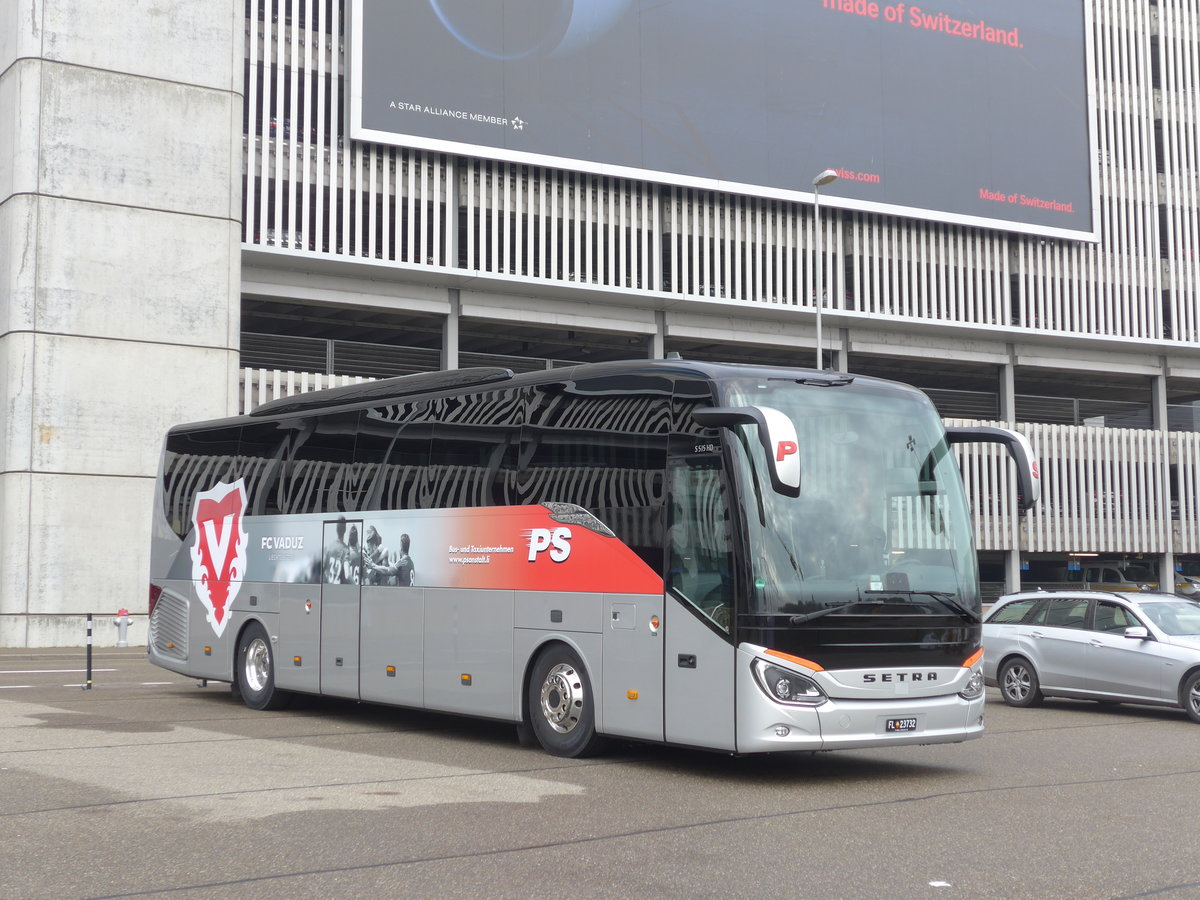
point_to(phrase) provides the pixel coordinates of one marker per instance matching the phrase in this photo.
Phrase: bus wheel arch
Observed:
(254, 669)
(560, 703)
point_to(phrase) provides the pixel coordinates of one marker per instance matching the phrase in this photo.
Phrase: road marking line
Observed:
(9, 687)
(47, 671)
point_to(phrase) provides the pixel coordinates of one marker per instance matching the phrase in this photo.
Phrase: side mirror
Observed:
(1029, 481)
(776, 433)
(1137, 633)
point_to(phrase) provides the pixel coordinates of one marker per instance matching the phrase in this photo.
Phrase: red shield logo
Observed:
(219, 554)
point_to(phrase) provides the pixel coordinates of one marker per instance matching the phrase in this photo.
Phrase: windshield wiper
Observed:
(808, 617)
(944, 597)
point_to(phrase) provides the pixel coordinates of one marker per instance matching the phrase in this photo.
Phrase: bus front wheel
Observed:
(256, 670)
(561, 705)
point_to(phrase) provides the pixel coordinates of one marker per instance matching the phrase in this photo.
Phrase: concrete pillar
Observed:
(1166, 562)
(120, 207)
(1012, 571)
(841, 356)
(450, 332)
(657, 342)
(1158, 400)
(1007, 389)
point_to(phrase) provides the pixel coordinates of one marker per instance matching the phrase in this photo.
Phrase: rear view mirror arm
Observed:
(1028, 475)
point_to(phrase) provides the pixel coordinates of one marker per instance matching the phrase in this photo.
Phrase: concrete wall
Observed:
(120, 196)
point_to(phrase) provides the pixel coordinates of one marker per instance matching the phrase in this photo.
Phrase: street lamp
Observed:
(827, 177)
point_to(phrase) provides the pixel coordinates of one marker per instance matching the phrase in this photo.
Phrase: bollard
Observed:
(122, 623)
(88, 685)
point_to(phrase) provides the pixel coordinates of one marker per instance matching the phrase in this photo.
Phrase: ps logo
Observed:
(556, 541)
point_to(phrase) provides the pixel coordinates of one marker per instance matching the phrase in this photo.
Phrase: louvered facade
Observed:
(1092, 349)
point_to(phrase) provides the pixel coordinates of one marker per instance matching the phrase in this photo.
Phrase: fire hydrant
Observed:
(122, 623)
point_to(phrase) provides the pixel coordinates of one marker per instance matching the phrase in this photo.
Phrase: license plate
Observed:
(894, 725)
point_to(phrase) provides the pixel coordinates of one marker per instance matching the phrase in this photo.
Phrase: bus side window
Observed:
(699, 549)
(474, 450)
(601, 444)
(194, 462)
(318, 474)
(260, 453)
(393, 451)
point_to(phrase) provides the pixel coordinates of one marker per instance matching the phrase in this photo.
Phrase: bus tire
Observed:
(255, 670)
(561, 706)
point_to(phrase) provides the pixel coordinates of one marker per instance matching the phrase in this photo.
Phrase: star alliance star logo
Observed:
(518, 124)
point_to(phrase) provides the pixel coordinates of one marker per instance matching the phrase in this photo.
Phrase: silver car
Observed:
(1094, 645)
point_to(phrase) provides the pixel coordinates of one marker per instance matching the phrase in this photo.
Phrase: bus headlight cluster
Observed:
(784, 686)
(974, 688)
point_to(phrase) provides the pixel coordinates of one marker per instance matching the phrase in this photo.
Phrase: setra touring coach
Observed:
(739, 558)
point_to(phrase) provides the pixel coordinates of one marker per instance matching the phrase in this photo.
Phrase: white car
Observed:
(1094, 645)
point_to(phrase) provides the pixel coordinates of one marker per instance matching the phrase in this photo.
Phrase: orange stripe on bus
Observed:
(973, 658)
(800, 660)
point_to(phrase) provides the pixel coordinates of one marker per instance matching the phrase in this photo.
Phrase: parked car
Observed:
(1094, 645)
(1122, 576)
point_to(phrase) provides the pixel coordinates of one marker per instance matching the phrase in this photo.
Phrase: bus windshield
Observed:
(881, 524)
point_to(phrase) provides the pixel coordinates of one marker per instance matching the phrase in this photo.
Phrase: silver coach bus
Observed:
(739, 558)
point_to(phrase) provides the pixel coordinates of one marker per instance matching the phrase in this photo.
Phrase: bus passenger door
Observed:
(341, 595)
(699, 668)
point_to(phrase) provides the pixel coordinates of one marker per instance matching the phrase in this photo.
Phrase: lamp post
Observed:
(826, 177)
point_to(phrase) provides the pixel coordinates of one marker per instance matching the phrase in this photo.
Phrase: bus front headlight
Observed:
(784, 686)
(974, 688)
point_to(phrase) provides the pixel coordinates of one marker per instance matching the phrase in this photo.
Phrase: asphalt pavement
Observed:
(149, 785)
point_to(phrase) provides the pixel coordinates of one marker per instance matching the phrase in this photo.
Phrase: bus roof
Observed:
(456, 380)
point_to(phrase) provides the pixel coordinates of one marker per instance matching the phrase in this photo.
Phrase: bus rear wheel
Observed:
(255, 670)
(561, 706)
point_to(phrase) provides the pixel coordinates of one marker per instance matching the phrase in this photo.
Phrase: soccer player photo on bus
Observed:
(342, 558)
(389, 567)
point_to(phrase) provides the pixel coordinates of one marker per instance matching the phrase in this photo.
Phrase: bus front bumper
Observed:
(840, 724)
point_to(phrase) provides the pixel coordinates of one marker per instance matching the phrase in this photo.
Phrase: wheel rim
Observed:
(1016, 682)
(562, 698)
(258, 664)
(1193, 700)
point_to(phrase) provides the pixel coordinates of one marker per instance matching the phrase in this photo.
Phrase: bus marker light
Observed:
(799, 660)
(208, 651)
(465, 679)
(170, 645)
(308, 606)
(973, 658)
(296, 660)
(654, 623)
(391, 671)
(632, 695)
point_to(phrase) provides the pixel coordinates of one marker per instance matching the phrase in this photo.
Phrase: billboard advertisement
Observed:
(968, 111)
